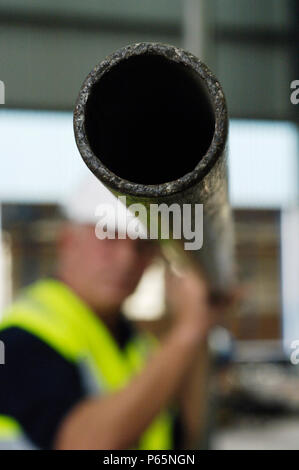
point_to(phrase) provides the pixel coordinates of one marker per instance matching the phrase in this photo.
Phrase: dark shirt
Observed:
(37, 385)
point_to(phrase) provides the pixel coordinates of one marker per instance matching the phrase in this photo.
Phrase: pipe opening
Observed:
(149, 120)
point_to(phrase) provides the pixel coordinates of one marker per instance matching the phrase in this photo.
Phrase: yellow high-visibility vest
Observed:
(52, 312)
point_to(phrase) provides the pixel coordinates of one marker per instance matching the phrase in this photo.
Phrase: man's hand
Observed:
(188, 300)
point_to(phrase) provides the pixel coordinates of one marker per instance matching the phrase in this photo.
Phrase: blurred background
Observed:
(47, 49)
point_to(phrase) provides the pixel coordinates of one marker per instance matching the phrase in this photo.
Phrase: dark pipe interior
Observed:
(149, 120)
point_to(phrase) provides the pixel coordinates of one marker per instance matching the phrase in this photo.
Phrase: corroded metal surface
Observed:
(206, 183)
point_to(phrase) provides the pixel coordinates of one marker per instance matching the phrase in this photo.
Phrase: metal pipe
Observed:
(151, 123)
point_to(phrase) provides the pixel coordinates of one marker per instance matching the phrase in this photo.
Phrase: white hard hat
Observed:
(92, 203)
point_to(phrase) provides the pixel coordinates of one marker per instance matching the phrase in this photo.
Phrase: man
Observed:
(77, 375)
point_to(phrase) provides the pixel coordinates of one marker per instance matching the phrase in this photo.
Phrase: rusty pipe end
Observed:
(150, 120)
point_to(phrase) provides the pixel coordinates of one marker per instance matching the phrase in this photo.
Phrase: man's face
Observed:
(103, 272)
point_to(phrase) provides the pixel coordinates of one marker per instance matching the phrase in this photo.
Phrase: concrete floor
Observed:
(278, 434)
